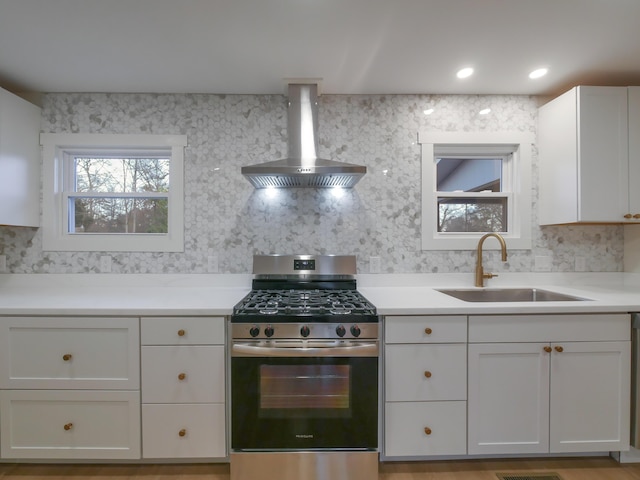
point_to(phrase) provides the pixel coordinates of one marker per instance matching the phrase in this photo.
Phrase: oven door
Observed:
(304, 398)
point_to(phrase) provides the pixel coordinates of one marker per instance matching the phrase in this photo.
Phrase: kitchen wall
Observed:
(226, 218)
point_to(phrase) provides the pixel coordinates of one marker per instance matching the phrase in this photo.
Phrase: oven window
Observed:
(322, 391)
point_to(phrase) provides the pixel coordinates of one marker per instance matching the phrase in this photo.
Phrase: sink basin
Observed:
(509, 295)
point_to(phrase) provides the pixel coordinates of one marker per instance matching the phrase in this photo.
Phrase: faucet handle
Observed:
(489, 275)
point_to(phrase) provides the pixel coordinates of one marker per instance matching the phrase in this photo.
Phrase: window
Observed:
(113, 192)
(472, 184)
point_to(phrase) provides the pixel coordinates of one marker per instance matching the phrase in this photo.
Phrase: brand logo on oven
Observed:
(304, 436)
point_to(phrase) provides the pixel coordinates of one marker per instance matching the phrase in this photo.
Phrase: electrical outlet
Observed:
(3, 263)
(105, 263)
(212, 263)
(374, 264)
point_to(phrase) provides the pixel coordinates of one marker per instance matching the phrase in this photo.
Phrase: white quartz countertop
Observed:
(405, 294)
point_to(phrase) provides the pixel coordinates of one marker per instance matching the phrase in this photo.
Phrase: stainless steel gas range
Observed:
(304, 373)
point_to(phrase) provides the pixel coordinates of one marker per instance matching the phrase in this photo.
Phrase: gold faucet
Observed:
(480, 275)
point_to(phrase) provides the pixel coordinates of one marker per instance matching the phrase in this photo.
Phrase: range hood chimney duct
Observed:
(302, 167)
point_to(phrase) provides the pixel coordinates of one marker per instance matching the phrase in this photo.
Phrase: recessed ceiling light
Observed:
(540, 72)
(428, 111)
(485, 111)
(465, 72)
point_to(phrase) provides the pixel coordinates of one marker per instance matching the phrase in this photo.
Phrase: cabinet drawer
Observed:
(425, 372)
(189, 374)
(550, 328)
(183, 431)
(425, 428)
(182, 331)
(70, 424)
(426, 329)
(61, 353)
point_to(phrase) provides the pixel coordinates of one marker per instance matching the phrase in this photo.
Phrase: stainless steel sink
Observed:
(509, 295)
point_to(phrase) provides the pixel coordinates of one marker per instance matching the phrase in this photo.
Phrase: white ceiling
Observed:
(354, 46)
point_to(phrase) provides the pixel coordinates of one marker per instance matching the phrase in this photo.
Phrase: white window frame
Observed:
(517, 145)
(57, 148)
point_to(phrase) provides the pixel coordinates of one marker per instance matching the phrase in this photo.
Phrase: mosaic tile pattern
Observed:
(225, 216)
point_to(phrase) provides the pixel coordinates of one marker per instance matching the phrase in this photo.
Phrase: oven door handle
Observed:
(239, 349)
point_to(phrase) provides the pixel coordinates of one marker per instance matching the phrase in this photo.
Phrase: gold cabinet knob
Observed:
(427, 374)
(182, 432)
(427, 431)
(181, 333)
(547, 349)
(628, 215)
(67, 357)
(428, 331)
(68, 426)
(559, 349)
(182, 376)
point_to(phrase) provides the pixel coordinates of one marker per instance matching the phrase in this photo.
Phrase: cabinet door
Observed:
(508, 398)
(425, 428)
(69, 353)
(590, 396)
(634, 149)
(603, 150)
(425, 372)
(70, 424)
(19, 161)
(183, 374)
(183, 431)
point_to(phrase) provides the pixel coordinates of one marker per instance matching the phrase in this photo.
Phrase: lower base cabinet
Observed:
(549, 384)
(64, 424)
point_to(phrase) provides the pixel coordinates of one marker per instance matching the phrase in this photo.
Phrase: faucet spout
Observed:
(480, 275)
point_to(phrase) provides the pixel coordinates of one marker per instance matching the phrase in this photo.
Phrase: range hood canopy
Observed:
(302, 167)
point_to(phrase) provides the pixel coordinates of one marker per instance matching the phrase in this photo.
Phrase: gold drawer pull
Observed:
(427, 430)
(637, 215)
(182, 376)
(68, 426)
(547, 349)
(182, 333)
(182, 432)
(67, 357)
(427, 374)
(559, 349)
(428, 331)
(628, 215)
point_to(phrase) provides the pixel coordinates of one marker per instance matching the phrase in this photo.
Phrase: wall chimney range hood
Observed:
(302, 167)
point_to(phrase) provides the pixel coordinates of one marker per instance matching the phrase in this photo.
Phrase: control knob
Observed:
(254, 331)
(355, 330)
(304, 331)
(340, 330)
(268, 331)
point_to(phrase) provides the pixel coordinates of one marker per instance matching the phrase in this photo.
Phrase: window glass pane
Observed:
(94, 174)
(472, 214)
(469, 174)
(118, 215)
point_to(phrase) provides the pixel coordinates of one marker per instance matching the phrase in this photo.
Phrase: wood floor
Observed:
(569, 469)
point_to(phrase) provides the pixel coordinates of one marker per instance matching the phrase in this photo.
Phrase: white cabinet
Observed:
(183, 387)
(70, 388)
(425, 389)
(548, 383)
(583, 149)
(19, 161)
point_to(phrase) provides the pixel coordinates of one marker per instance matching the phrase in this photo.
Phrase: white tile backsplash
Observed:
(227, 219)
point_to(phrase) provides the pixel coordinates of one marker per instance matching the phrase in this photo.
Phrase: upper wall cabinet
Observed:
(589, 156)
(19, 161)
